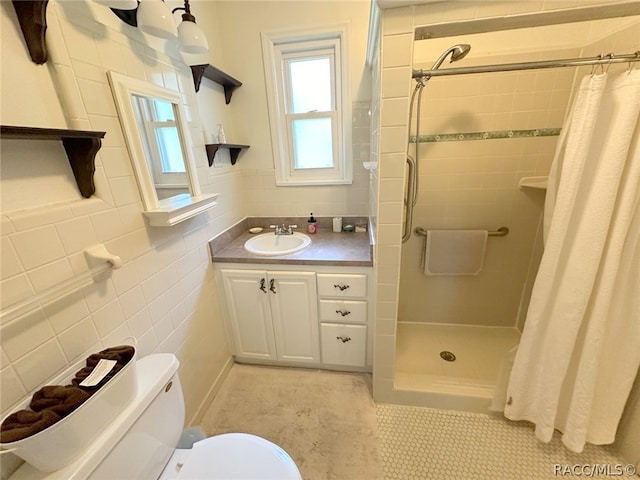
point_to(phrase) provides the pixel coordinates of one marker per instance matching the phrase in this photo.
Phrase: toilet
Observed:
(141, 442)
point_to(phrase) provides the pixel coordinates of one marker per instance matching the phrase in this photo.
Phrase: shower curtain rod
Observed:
(508, 67)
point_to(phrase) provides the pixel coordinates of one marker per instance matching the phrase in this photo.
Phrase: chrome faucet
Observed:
(282, 230)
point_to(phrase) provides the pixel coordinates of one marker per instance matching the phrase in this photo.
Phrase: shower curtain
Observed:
(580, 348)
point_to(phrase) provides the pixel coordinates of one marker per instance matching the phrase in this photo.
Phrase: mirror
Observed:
(155, 130)
(162, 145)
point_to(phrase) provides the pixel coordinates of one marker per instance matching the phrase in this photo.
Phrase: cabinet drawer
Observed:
(342, 285)
(343, 344)
(343, 311)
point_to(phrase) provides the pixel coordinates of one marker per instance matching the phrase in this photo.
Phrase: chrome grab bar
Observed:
(410, 201)
(501, 232)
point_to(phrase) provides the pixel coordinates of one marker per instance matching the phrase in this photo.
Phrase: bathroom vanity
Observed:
(312, 308)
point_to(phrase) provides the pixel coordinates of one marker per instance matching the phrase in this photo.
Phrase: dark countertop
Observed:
(327, 248)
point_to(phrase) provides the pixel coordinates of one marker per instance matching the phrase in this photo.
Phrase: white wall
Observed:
(165, 293)
(240, 26)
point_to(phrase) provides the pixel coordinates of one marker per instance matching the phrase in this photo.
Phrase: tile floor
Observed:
(428, 444)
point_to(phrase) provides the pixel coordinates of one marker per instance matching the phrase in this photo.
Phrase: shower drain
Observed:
(448, 356)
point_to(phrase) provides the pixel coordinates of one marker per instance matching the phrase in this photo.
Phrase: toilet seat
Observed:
(234, 456)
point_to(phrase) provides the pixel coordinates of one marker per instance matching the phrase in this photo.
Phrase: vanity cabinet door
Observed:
(294, 311)
(250, 314)
(273, 314)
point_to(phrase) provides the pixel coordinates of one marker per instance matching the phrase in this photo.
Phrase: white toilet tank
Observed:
(145, 449)
(143, 437)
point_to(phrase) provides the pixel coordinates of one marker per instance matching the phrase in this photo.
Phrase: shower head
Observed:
(457, 52)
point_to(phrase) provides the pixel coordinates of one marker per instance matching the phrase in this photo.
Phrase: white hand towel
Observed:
(454, 252)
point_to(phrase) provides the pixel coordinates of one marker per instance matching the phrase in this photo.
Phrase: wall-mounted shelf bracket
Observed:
(215, 75)
(32, 16)
(81, 147)
(234, 151)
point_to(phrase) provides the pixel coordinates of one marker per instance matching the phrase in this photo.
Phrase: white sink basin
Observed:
(272, 244)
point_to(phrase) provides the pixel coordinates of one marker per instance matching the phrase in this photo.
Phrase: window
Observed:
(309, 107)
(161, 142)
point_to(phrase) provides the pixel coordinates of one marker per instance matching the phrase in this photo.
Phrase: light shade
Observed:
(155, 18)
(119, 4)
(192, 38)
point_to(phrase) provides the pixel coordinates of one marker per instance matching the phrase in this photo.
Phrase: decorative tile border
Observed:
(493, 135)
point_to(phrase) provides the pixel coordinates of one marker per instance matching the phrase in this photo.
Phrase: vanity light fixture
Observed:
(190, 36)
(155, 18)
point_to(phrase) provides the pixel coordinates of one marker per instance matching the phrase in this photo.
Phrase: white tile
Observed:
(99, 294)
(394, 112)
(107, 225)
(11, 390)
(108, 318)
(20, 338)
(394, 139)
(147, 343)
(116, 161)
(124, 190)
(111, 125)
(396, 82)
(397, 21)
(76, 234)
(157, 284)
(125, 277)
(132, 302)
(397, 50)
(80, 44)
(87, 71)
(77, 340)
(131, 245)
(9, 263)
(15, 289)
(119, 336)
(66, 311)
(140, 323)
(50, 275)
(40, 365)
(5, 225)
(158, 308)
(97, 97)
(38, 246)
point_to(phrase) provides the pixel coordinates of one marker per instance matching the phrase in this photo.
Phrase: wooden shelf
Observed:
(81, 147)
(32, 16)
(234, 151)
(215, 75)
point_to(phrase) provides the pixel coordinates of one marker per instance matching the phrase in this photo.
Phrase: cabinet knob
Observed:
(342, 288)
(343, 339)
(343, 313)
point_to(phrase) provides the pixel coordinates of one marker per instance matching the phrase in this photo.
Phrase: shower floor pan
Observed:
(428, 376)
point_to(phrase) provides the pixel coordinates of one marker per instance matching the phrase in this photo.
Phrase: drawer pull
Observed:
(272, 285)
(342, 288)
(343, 313)
(262, 286)
(344, 339)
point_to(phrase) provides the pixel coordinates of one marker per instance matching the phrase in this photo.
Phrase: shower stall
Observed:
(480, 147)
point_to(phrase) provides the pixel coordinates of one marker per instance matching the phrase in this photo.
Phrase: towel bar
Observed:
(501, 232)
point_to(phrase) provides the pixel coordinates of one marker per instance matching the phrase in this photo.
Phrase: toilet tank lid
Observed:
(152, 372)
(225, 457)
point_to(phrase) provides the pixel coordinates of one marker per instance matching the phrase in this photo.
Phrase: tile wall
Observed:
(165, 294)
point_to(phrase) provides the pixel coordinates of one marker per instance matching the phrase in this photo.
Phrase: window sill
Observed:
(179, 208)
